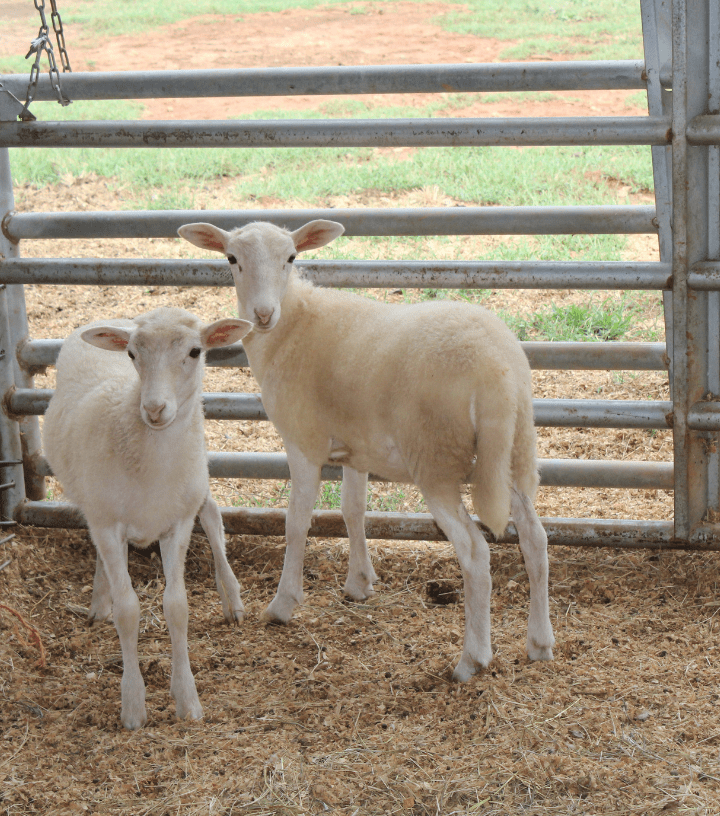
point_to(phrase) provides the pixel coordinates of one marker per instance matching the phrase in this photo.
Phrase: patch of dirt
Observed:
(350, 708)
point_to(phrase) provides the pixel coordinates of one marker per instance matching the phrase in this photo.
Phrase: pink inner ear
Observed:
(309, 240)
(120, 342)
(210, 240)
(220, 335)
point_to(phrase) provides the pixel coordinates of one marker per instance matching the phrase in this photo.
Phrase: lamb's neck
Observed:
(261, 347)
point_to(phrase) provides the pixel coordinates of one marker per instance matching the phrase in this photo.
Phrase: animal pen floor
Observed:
(350, 708)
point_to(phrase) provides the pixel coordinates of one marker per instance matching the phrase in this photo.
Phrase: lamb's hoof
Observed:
(98, 616)
(133, 719)
(236, 617)
(358, 594)
(191, 711)
(360, 587)
(536, 652)
(467, 667)
(277, 613)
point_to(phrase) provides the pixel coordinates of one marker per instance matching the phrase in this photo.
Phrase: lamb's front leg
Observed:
(225, 580)
(359, 584)
(112, 550)
(173, 548)
(305, 478)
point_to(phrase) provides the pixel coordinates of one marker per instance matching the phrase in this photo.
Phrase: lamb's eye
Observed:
(291, 259)
(195, 352)
(131, 355)
(232, 260)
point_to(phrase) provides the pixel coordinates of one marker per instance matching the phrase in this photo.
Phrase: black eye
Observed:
(131, 355)
(195, 352)
(232, 259)
(291, 259)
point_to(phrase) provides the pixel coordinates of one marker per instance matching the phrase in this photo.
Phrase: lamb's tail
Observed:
(505, 456)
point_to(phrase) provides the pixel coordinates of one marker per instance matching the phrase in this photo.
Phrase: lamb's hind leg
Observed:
(305, 478)
(474, 556)
(533, 543)
(225, 580)
(359, 583)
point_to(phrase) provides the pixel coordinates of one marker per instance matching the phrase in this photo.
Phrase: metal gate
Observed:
(681, 73)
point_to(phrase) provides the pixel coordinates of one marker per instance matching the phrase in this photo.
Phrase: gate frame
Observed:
(683, 128)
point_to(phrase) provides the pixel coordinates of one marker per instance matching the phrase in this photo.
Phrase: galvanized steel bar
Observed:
(555, 413)
(545, 355)
(713, 250)
(680, 271)
(553, 472)
(704, 130)
(620, 533)
(548, 412)
(611, 356)
(603, 219)
(336, 80)
(345, 133)
(10, 444)
(704, 416)
(366, 274)
(704, 276)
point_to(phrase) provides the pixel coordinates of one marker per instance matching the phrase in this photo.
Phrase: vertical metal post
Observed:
(696, 319)
(657, 43)
(680, 270)
(713, 251)
(29, 427)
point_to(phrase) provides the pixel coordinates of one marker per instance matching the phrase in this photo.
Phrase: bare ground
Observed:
(349, 708)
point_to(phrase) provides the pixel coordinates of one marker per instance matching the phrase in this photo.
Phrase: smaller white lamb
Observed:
(436, 394)
(124, 434)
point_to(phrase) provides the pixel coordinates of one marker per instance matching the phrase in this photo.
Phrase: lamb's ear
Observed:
(111, 338)
(316, 234)
(205, 236)
(224, 332)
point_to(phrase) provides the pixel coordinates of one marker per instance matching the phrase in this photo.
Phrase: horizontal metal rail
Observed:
(704, 130)
(553, 472)
(601, 219)
(541, 354)
(621, 533)
(345, 133)
(548, 412)
(337, 80)
(704, 276)
(609, 275)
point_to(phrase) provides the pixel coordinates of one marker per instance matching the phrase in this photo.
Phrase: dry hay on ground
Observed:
(350, 709)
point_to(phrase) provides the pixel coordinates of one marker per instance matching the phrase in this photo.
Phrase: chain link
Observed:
(37, 46)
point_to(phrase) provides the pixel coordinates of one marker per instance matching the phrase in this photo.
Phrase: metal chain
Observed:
(37, 46)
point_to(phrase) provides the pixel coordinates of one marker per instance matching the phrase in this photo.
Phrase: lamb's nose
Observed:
(264, 315)
(154, 410)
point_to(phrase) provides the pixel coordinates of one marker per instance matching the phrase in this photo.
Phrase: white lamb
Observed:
(435, 394)
(125, 436)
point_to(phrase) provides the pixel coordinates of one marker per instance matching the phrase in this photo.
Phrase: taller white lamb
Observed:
(124, 435)
(436, 394)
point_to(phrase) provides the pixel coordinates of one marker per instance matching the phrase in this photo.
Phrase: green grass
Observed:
(605, 29)
(609, 319)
